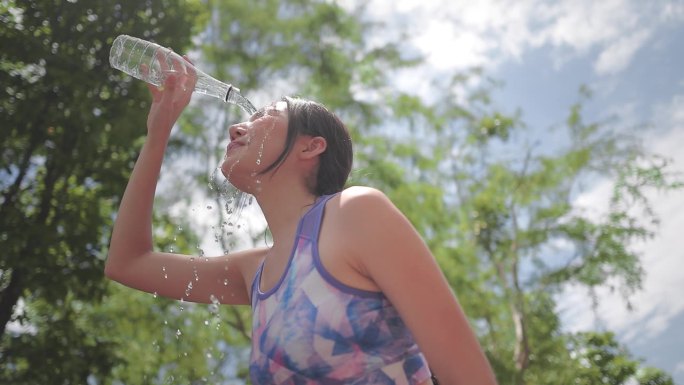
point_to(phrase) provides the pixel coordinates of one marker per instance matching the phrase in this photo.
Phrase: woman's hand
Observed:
(170, 99)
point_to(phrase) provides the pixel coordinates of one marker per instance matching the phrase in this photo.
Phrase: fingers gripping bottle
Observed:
(150, 62)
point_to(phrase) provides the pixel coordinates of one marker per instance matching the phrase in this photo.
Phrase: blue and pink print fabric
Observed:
(312, 329)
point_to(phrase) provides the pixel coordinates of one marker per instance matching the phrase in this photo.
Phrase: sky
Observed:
(629, 53)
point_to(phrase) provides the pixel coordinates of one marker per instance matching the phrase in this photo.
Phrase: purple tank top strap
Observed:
(311, 222)
(309, 227)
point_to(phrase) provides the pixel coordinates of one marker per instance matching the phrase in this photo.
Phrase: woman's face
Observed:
(254, 145)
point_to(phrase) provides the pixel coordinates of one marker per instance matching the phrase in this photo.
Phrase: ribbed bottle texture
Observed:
(150, 62)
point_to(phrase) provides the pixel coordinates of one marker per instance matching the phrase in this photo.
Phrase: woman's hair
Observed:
(310, 118)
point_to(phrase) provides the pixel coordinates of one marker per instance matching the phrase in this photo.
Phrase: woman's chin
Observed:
(245, 184)
(225, 169)
(229, 168)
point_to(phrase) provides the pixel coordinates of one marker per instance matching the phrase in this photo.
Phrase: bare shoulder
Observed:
(364, 212)
(363, 192)
(361, 202)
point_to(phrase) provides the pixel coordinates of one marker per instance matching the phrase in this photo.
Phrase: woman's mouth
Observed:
(233, 145)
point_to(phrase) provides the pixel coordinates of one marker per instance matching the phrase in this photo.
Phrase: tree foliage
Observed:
(505, 227)
(70, 132)
(498, 212)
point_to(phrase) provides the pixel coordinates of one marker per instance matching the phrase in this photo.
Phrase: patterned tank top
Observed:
(312, 329)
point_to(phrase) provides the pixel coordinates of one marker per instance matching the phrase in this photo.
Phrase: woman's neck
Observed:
(282, 208)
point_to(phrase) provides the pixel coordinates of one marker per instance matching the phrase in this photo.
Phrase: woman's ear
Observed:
(313, 146)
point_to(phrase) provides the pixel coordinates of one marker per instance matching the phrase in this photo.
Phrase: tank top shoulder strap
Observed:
(312, 220)
(308, 228)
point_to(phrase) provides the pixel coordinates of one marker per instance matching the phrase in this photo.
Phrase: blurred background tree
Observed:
(69, 135)
(490, 205)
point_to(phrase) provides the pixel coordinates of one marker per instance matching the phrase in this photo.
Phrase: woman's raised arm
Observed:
(131, 259)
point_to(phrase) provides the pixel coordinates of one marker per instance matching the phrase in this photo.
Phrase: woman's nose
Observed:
(235, 131)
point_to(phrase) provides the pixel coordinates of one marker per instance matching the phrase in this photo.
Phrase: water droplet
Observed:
(166, 276)
(154, 294)
(225, 282)
(178, 333)
(180, 228)
(192, 259)
(206, 322)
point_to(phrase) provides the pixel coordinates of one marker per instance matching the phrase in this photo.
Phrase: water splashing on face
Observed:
(267, 133)
(233, 201)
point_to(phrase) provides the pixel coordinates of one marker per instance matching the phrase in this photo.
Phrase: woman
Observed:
(348, 293)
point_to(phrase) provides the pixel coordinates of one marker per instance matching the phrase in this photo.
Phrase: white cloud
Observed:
(586, 23)
(446, 49)
(456, 34)
(617, 56)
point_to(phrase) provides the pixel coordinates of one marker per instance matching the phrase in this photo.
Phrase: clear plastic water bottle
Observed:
(131, 55)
